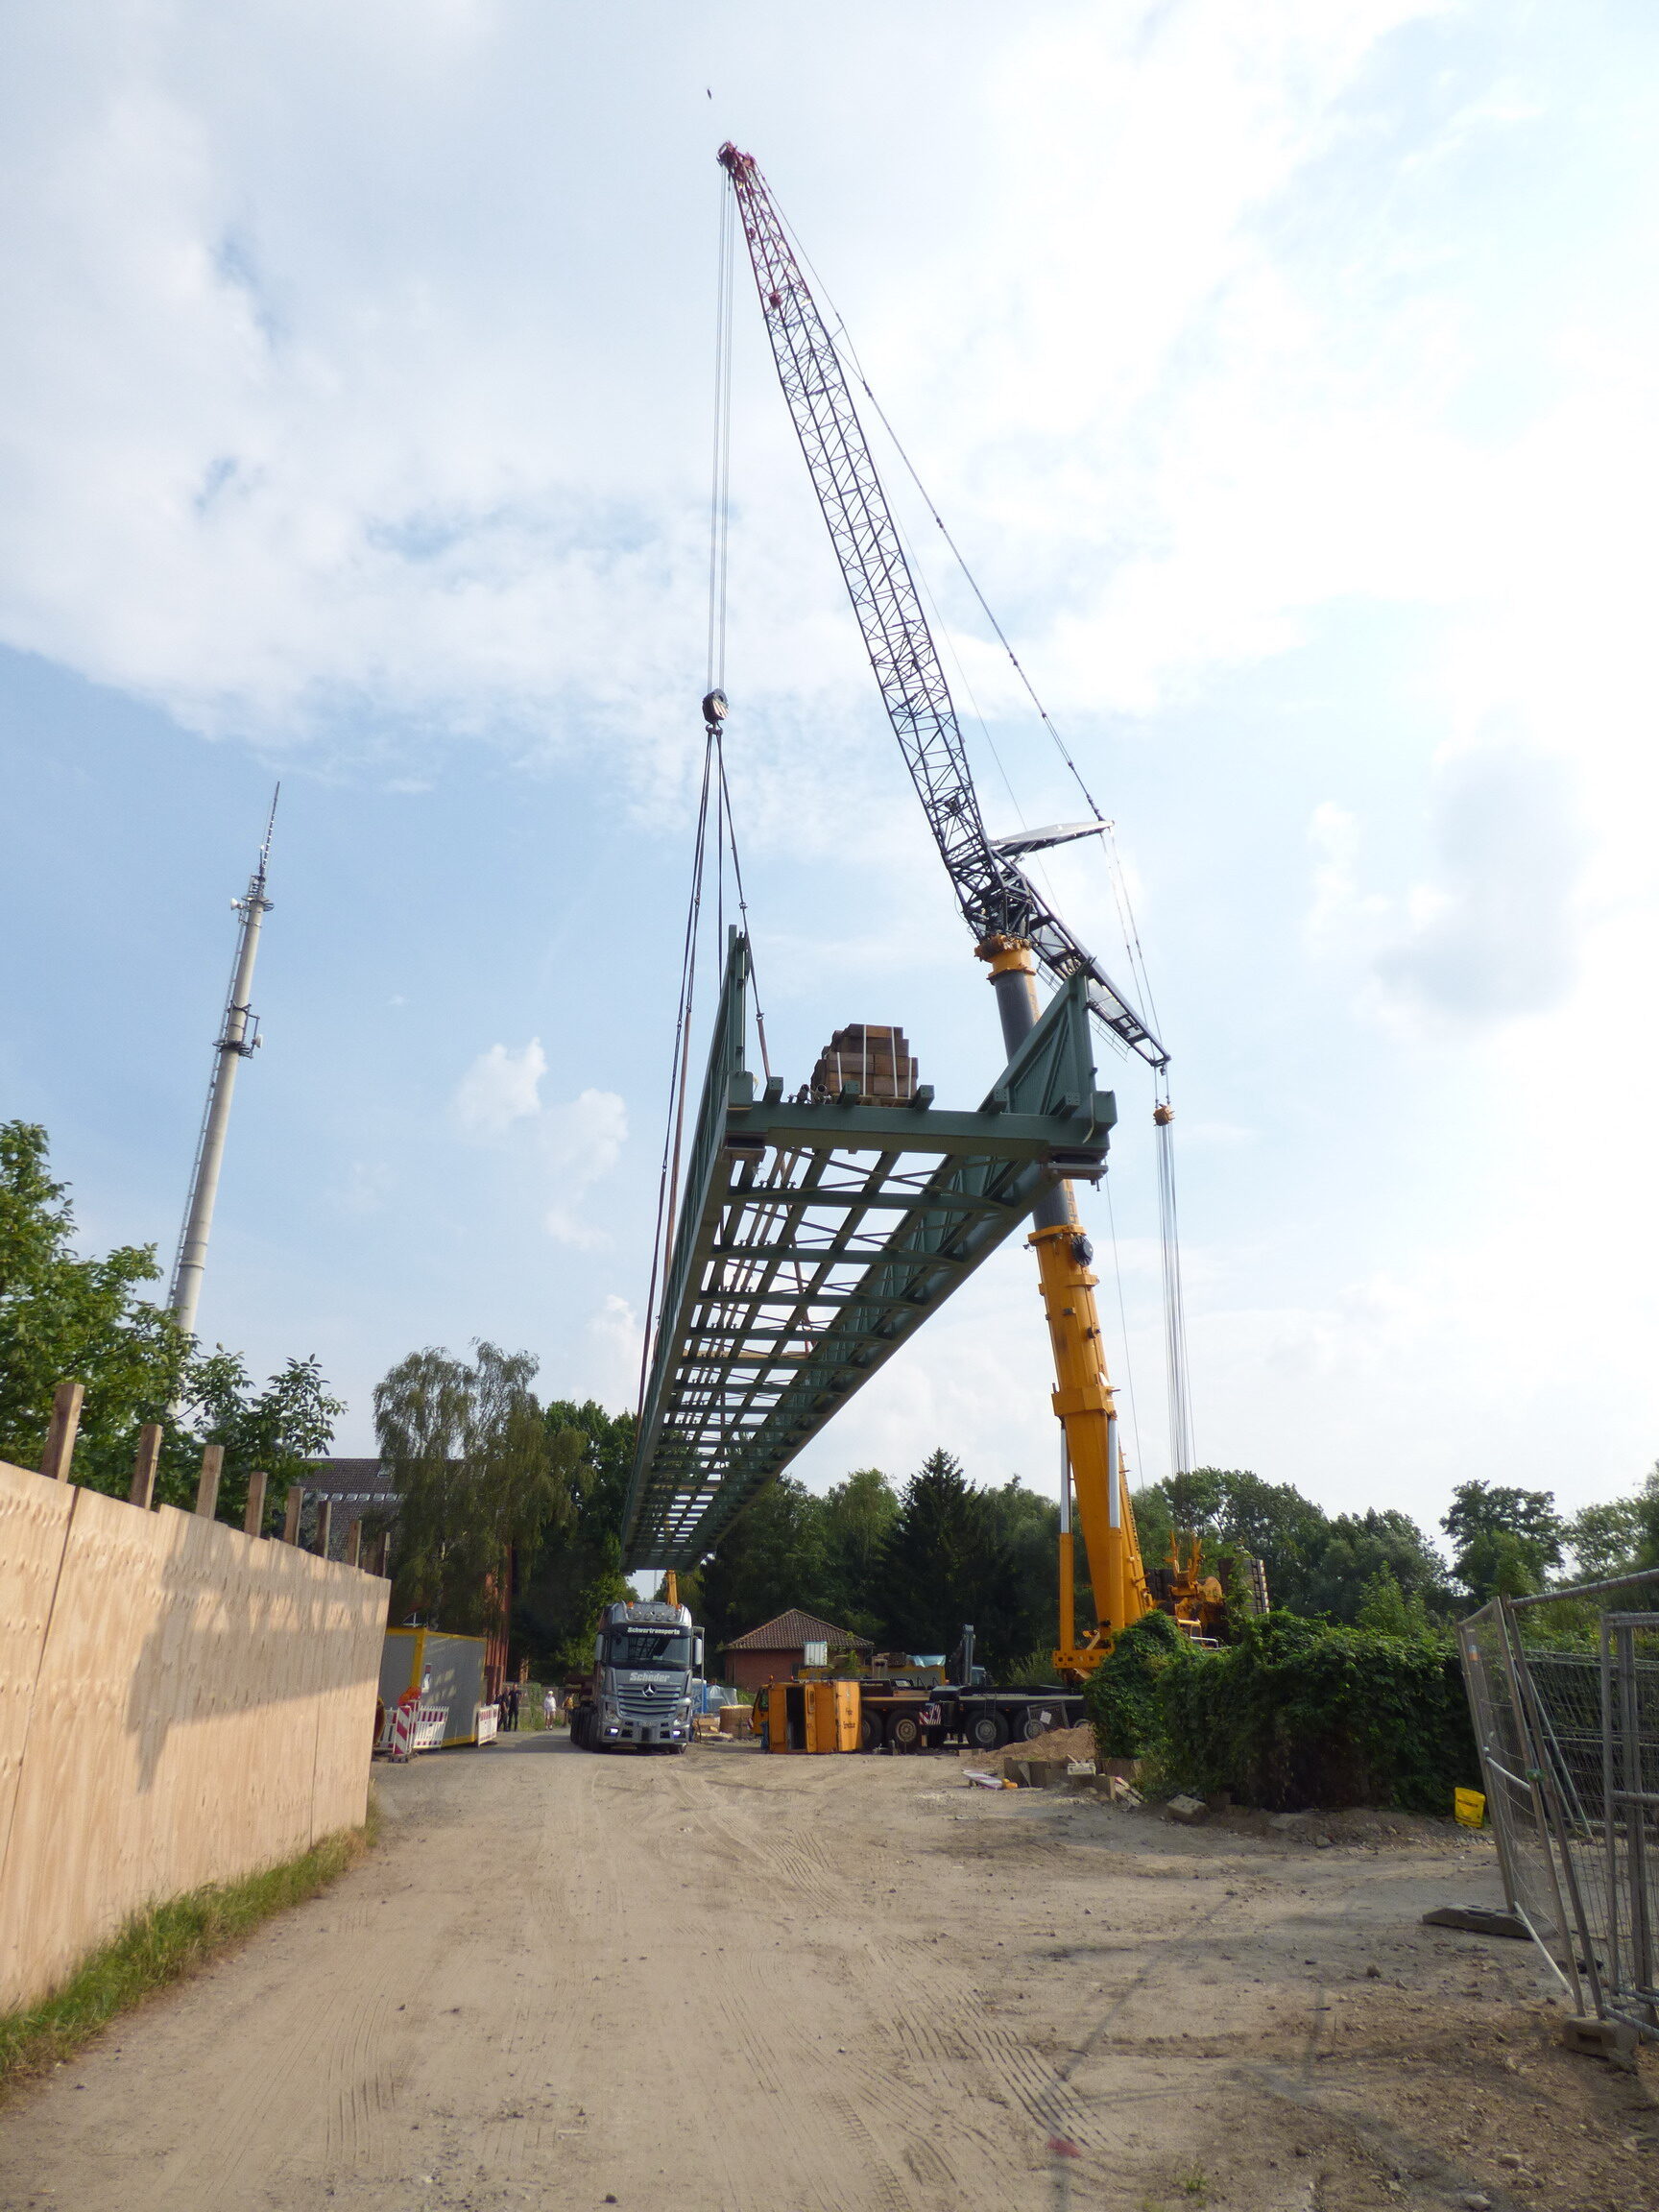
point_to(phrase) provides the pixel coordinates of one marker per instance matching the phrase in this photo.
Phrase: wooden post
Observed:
(291, 1518)
(254, 1519)
(324, 1526)
(61, 1435)
(208, 1482)
(142, 1492)
(355, 1543)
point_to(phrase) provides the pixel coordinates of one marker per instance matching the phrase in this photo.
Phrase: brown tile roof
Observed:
(794, 1629)
(363, 1480)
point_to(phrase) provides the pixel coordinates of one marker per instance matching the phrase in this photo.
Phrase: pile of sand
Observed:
(1057, 1743)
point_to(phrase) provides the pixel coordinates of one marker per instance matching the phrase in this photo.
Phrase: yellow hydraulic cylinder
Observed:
(1084, 1403)
(1083, 1400)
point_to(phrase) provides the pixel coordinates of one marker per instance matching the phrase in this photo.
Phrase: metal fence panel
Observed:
(1566, 1708)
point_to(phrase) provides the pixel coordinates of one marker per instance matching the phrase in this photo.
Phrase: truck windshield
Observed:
(649, 1648)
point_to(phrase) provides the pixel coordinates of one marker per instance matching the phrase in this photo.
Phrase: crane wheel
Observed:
(987, 1731)
(868, 1732)
(904, 1732)
(1033, 1722)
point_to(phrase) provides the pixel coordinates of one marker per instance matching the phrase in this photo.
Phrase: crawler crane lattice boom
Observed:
(1013, 928)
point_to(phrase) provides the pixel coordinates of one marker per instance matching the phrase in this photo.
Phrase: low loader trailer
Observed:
(898, 1713)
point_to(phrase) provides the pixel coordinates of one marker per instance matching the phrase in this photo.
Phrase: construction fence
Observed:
(180, 1705)
(1564, 1688)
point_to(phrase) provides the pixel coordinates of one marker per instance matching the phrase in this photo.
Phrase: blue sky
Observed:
(1286, 372)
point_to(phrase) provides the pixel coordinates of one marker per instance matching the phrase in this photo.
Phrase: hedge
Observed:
(1294, 1713)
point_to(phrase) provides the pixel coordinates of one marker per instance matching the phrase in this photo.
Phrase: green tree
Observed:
(62, 1318)
(1504, 1539)
(772, 1557)
(1387, 1610)
(468, 1453)
(1230, 1506)
(1616, 1537)
(574, 1571)
(1019, 1615)
(946, 1563)
(856, 1519)
(1360, 1547)
(278, 1430)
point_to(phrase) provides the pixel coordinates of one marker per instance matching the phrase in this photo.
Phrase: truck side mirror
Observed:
(697, 1652)
(598, 1650)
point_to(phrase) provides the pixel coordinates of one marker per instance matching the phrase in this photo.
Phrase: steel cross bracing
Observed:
(996, 896)
(815, 1240)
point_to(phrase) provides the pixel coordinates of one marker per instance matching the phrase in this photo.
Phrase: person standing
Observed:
(549, 1706)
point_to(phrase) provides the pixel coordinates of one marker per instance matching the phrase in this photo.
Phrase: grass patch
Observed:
(161, 1946)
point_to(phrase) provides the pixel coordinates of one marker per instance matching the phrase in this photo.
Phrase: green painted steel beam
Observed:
(747, 1367)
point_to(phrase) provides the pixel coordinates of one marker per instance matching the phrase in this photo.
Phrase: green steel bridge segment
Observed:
(814, 1239)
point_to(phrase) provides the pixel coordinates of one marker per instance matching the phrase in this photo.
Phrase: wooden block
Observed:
(142, 1491)
(254, 1519)
(355, 1543)
(291, 1516)
(208, 1482)
(324, 1526)
(61, 1435)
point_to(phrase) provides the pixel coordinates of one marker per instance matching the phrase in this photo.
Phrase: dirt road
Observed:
(730, 1983)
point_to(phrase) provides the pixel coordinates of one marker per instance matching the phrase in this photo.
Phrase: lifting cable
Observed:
(714, 783)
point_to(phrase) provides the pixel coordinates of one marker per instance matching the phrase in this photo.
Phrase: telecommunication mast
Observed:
(237, 1041)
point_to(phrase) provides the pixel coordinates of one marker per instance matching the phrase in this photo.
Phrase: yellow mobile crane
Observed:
(1014, 930)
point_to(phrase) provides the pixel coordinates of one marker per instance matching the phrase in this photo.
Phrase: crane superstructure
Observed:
(1015, 930)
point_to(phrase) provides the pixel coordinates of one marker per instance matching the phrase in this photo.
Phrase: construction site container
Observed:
(447, 1671)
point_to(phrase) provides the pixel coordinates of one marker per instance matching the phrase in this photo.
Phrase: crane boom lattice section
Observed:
(814, 1240)
(995, 896)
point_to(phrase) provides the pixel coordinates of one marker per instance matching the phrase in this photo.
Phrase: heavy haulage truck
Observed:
(647, 1658)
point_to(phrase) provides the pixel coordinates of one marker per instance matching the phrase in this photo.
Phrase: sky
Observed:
(1285, 373)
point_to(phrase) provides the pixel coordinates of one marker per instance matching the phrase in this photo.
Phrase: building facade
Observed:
(777, 1649)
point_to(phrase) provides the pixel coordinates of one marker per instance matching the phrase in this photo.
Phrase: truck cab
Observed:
(642, 1690)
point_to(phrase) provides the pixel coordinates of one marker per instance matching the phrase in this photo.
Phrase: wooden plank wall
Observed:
(180, 1703)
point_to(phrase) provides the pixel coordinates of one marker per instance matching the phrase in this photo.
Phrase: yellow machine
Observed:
(809, 1716)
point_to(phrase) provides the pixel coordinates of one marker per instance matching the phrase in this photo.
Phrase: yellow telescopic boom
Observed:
(1093, 1464)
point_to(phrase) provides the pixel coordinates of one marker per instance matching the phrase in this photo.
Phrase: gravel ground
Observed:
(735, 1982)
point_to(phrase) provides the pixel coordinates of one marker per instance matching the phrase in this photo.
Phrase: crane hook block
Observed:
(714, 708)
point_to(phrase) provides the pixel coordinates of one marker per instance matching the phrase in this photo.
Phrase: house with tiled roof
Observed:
(773, 1652)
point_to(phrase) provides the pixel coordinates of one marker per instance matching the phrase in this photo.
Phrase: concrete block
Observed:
(1593, 2038)
(1191, 1811)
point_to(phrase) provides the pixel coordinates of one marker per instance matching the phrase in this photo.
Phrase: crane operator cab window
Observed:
(637, 1647)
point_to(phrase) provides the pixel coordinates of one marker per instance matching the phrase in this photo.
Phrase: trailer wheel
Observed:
(987, 1731)
(904, 1732)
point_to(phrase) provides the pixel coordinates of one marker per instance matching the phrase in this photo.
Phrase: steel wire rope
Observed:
(1174, 1317)
(1180, 1410)
(719, 544)
(668, 1176)
(1124, 1323)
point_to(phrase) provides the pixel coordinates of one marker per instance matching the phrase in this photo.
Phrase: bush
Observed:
(1122, 1697)
(1298, 1713)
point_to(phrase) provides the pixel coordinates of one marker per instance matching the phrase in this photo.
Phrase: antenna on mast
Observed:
(238, 1040)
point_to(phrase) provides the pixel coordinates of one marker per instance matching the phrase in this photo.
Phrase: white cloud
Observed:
(580, 1143)
(1494, 931)
(571, 1146)
(501, 1087)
